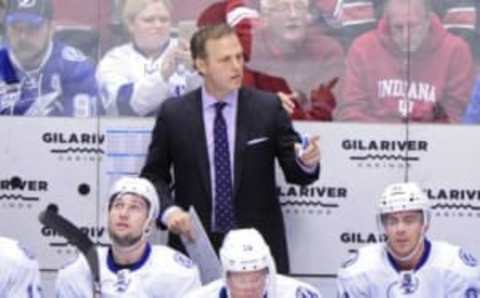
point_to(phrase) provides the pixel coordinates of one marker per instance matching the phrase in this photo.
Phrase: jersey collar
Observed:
(421, 262)
(114, 267)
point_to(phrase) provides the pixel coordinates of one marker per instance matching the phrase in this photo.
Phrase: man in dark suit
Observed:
(221, 141)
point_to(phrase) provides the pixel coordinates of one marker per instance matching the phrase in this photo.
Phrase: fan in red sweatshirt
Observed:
(410, 67)
(245, 19)
(287, 44)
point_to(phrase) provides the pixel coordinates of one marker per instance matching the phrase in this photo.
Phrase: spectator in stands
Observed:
(408, 68)
(41, 77)
(286, 44)
(241, 18)
(136, 77)
(458, 17)
(347, 19)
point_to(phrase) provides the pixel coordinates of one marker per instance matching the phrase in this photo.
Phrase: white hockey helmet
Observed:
(403, 197)
(138, 186)
(245, 250)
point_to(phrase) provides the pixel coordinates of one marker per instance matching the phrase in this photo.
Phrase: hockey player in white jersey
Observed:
(131, 267)
(249, 272)
(408, 264)
(19, 273)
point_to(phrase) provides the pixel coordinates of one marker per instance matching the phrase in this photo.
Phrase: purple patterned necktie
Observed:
(224, 217)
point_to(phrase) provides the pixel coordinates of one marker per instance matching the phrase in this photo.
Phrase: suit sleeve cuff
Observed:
(305, 168)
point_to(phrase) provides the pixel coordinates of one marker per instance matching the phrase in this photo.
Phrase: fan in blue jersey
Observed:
(249, 272)
(19, 273)
(408, 264)
(40, 76)
(131, 267)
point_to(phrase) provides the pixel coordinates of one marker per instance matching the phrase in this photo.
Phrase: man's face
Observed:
(286, 20)
(222, 68)
(150, 29)
(29, 41)
(409, 24)
(128, 215)
(404, 230)
(247, 284)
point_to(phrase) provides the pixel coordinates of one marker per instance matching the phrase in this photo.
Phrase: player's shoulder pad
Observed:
(75, 260)
(75, 266)
(361, 260)
(295, 288)
(72, 54)
(467, 258)
(25, 252)
(13, 252)
(304, 292)
(172, 256)
(211, 289)
(183, 260)
(455, 259)
(472, 292)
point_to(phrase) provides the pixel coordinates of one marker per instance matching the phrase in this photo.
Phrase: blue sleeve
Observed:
(123, 100)
(8, 74)
(81, 80)
(472, 113)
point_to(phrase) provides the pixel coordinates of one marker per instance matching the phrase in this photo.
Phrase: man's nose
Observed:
(22, 34)
(123, 212)
(400, 228)
(237, 64)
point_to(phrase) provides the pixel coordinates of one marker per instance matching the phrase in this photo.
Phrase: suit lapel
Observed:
(198, 133)
(244, 107)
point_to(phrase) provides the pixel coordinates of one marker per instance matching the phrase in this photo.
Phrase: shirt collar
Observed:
(163, 48)
(208, 101)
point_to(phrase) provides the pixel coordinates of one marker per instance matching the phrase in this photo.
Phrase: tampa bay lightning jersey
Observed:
(19, 272)
(444, 271)
(285, 287)
(63, 85)
(161, 273)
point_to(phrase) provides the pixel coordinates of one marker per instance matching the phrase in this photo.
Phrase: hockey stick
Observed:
(50, 218)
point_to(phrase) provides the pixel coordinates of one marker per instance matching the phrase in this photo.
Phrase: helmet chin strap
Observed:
(414, 251)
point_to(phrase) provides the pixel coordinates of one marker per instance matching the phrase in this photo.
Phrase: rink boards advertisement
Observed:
(72, 163)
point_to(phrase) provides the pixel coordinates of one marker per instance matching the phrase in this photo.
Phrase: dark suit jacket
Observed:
(179, 140)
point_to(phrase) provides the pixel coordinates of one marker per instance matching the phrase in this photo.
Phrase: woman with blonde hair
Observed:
(134, 77)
